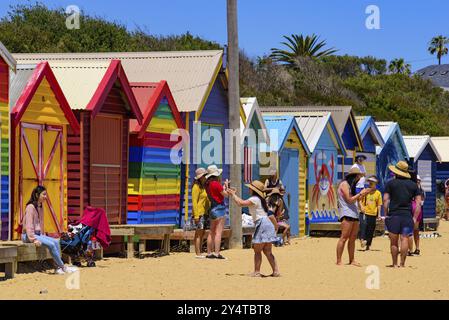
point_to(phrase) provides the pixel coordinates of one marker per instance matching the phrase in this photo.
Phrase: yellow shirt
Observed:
(200, 201)
(371, 202)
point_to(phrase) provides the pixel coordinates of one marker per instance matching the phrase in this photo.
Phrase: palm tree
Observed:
(438, 45)
(300, 46)
(399, 66)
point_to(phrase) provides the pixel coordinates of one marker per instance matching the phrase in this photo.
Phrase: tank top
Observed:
(347, 209)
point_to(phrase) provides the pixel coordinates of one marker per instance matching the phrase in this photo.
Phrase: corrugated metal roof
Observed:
(18, 82)
(188, 73)
(4, 53)
(340, 114)
(367, 124)
(312, 125)
(442, 146)
(416, 145)
(251, 109)
(387, 129)
(143, 92)
(79, 79)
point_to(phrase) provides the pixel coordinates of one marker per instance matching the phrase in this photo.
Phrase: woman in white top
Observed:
(264, 234)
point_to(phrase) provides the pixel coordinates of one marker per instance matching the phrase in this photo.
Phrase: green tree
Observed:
(299, 46)
(399, 66)
(438, 46)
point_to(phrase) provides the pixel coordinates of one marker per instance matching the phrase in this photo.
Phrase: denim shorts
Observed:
(402, 225)
(218, 211)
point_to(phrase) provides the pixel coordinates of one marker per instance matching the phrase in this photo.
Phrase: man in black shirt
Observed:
(398, 197)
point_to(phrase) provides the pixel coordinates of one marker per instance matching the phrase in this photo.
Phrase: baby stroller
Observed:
(80, 244)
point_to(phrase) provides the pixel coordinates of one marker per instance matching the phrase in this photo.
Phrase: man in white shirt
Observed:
(359, 165)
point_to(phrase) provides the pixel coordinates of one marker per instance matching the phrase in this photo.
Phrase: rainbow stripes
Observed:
(154, 182)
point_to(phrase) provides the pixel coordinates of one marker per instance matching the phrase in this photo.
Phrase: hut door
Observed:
(41, 162)
(289, 174)
(106, 154)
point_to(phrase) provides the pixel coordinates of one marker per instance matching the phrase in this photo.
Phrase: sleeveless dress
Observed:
(345, 209)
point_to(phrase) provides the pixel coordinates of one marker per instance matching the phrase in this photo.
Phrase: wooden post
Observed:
(234, 120)
(130, 248)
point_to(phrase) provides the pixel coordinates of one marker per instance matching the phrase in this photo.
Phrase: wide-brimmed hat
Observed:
(274, 191)
(258, 187)
(373, 179)
(361, 156)
(354, 171)
(213, 170)
(199, 173)
(400, 169)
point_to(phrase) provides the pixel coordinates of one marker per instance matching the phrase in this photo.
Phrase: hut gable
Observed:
(32, 84)
(159, 110)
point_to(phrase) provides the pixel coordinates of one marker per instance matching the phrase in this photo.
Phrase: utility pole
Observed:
(234, 120)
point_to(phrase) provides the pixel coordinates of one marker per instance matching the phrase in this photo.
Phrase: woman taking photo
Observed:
(349, 213)
(200, 207)
(216, 193)
(264, 234)
(33, 229)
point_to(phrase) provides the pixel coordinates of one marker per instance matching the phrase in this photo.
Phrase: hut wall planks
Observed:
(4, 151)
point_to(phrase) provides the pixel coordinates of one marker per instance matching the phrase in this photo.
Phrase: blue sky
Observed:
(406, 26)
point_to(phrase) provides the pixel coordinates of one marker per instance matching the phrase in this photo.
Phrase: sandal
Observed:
(211, 256)
(220, 257)
(417, 252)
(410, 254)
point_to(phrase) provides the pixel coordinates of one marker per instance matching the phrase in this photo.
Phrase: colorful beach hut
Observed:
(7, 64)
(423, 158)
(442, 146)
(394, 150)
(371, 138)
(103, 103)
(442, 169)
(154, 184)
(40, 120)
(254, 133)
(325, 145)
(288, 153)
(199, 86)
(345, 122)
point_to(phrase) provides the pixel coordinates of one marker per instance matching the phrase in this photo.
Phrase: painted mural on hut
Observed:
(323, 183)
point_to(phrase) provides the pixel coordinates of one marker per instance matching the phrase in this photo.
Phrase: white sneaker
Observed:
(70, 269)
(60, 271)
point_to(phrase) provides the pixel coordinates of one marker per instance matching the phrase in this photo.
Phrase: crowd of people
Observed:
(361, 205)
(265, 204)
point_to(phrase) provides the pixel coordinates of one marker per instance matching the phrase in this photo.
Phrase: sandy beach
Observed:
(307, 266)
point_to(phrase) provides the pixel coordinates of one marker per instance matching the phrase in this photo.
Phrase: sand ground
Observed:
(307, 266)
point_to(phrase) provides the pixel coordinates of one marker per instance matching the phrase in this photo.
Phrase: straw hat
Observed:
(353, 171)
(199, 173)
(373, 179)
(400, 169)
(213, 170)
(258, 187)
(274, 191)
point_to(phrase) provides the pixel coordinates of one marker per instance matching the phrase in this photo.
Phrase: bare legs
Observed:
(349, 231)
(198, 240)
(394, 245)
(214, 237)
(266, 248)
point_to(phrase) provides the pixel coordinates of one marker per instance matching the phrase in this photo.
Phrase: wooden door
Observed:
(106, 158)
(41, 162)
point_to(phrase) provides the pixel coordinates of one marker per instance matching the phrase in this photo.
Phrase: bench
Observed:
(144, 232)
(247, 234)
(8, 257)
(27, 252)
